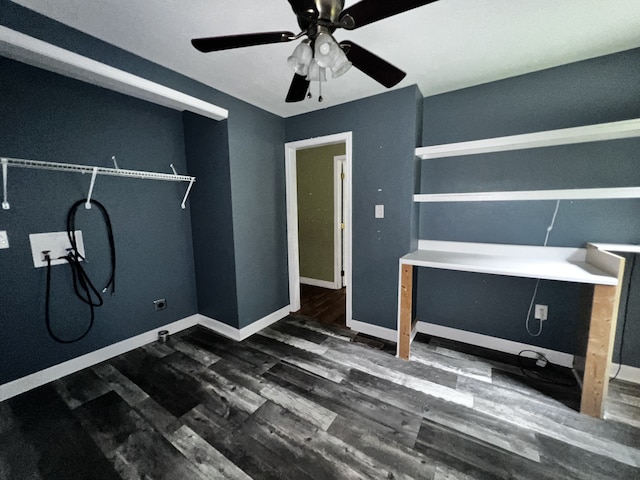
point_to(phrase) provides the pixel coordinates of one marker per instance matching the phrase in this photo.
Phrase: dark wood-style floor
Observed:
(323, 304)
(300, 401)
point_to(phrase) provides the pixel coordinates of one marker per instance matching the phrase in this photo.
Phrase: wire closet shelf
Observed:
(70, 167)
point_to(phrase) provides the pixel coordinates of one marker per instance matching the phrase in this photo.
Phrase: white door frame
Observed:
(292, 213)
(338, 216)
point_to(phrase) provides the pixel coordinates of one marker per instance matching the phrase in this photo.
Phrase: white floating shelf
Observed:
(565, 136)
(29, 50)
(572, 194)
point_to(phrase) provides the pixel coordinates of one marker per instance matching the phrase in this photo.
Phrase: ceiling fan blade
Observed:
(369, 11)
(377, 68)
(213, 44)
(298, 89)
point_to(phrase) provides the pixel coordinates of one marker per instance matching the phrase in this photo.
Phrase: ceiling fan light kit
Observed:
(341, 65)
(316, 72)
(313, 62)
(326, 49)
(301, 57)
(318, 19)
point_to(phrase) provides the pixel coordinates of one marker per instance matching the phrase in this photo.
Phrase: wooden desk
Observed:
(592, 265)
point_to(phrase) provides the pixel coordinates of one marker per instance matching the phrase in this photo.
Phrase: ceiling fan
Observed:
(319, 52)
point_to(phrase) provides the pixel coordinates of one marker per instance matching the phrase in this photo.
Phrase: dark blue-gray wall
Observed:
(239, 214)
(44, 116)
(385, 129)
(207, 153)
(249, 217)
(256, 141)
(256, 154)
(600, 90)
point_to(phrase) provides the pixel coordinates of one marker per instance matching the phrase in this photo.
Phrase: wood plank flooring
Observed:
(323, 304)
(301, 400)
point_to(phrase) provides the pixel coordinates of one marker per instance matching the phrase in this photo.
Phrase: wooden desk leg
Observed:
(406, 311)
(599, 348)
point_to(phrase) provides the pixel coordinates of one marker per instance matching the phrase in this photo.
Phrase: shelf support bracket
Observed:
(87, 205)
(5, 202)
(186, 195)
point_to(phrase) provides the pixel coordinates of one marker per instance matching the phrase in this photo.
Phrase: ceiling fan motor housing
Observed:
(327, 10)
(330, 9)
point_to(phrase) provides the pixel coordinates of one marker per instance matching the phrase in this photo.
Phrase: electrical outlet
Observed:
(4, 239)
(541, 312)
(160, 304)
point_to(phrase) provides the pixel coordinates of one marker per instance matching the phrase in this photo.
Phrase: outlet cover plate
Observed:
(541, 312)
(4, 239)
(57, 243)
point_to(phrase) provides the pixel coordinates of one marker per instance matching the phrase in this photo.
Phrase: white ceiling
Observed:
(444, 46)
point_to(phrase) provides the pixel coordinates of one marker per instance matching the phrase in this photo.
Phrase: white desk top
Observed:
(617, 247)
(547, 263)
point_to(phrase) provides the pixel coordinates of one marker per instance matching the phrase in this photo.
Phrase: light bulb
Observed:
(327, 50)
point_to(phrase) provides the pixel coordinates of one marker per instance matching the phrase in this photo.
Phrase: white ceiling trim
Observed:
(29, 50)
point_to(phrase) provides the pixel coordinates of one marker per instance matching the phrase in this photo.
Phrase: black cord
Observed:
(82, 286)
(71, 233)
(626, 314)
(527, 372)
(47, 318)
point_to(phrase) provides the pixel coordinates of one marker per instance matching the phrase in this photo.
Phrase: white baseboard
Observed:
(37, 379)
(493, 343)
(47, 375)
(319, 283)
(240, 334)
(219, 327)
(373, 330)
(255, 327)
(627, 373)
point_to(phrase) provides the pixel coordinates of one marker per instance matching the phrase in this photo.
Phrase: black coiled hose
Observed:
(82, 285)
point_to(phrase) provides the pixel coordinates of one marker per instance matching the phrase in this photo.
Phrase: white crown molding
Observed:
(30, 50)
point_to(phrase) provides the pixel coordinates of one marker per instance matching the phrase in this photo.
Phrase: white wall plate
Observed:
(57, 243)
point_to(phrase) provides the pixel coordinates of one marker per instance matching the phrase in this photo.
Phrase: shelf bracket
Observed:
(5, 202)
(186, 195)
(87, 205)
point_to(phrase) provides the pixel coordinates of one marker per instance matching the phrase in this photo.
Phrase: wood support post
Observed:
(604, 312)
(602, 330)
(406, 311)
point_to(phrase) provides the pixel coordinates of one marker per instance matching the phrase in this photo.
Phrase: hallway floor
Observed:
(323, 304)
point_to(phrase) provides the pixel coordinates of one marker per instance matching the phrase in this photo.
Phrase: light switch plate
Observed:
(379, 211)
(4, 239)
(57, 243)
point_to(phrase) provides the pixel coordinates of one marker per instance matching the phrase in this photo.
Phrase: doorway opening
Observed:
(327, 297)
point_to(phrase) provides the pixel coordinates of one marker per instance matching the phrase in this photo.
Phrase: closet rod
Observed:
(116, 172)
